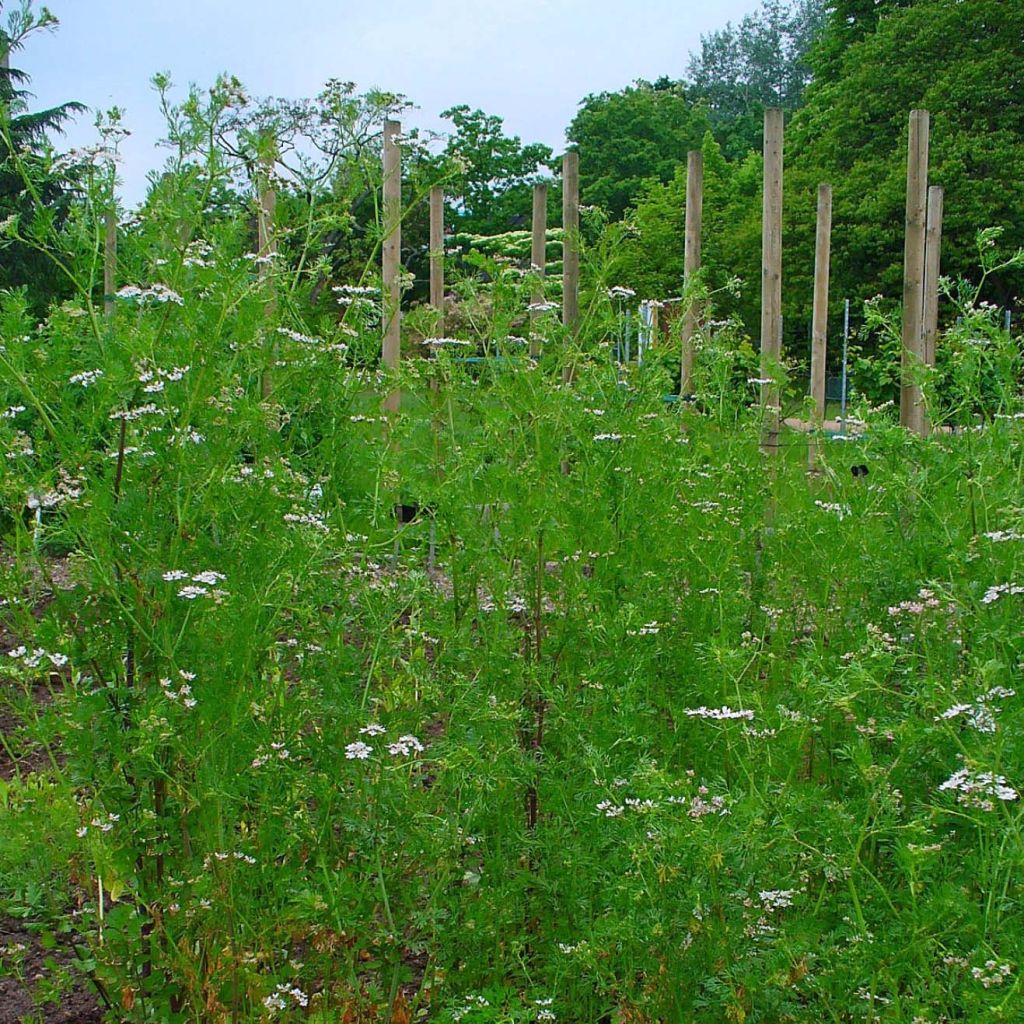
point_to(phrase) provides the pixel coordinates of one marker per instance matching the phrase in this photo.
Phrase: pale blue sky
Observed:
(528, 61)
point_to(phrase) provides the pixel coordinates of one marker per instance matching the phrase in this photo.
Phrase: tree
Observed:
(963, 61)
(33, 199)
(651, 259)
(492, 174)
(629, 138)
(760, 63)
(846, 22)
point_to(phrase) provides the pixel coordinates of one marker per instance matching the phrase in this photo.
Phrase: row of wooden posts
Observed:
(920, 281)
(921, 268)
(391, 247)
(921, 264)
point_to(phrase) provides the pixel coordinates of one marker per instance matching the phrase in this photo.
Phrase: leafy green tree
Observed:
(847, 22)
(631, 137)
(761, 62)
(34, 198)
(491, 174)
(651, 259)
(963, 61)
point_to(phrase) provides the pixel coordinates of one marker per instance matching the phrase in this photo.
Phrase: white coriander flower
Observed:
(718, 714)
(977, 788)
(85, 378)
(209, 577)
(404, 746)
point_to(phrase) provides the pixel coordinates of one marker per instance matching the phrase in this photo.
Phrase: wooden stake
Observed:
(911, 408)
(819, 316)
(691, 265)
(109, 261)
(538, 257)
(267, 250)
(437, 301)
(570, 251)
(932, 261)
(391, 258)
(437, 254)
(771, 275)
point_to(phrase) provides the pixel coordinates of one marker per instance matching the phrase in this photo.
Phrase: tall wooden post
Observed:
(819, 316)
(911, 407)
(267, 250)
(391, 257)
(109, 260)
(570, 250)
(771, 275)
(538, 256)
(437, 302)
(932, 263)
(437, 254)
(691, 261)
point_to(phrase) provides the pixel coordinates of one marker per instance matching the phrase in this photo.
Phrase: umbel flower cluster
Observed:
(979, 789)
(404, 746)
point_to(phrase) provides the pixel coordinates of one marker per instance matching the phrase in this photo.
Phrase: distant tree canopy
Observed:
(847, 22)
(871, 63)
(628, 138)
(640, 134)
(650, 259)
(762, 62)
(492, 174)
(963, 61)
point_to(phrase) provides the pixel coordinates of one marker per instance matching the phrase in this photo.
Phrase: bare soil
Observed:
(22, 994)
